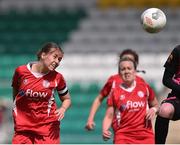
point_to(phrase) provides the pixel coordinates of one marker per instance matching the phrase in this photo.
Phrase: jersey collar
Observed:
(36, 74)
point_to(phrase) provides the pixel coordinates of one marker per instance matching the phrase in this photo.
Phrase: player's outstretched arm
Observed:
(106, 133)
(90, 124)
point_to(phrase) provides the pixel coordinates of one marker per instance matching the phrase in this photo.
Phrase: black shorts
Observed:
(176, 103)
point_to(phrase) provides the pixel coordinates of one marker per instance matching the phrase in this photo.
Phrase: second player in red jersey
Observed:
(131, 107)
(105, 91)
(36, 116)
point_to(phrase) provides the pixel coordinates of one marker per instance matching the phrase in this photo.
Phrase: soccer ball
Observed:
(153, 20)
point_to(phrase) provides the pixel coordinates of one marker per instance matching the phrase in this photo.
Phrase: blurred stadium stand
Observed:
(92, 33)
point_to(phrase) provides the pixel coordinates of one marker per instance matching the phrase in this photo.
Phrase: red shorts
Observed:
(134, 139)
(30, 137)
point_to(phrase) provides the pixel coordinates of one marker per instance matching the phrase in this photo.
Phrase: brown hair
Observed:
(130, 52)
(128, 59)
(47, 47)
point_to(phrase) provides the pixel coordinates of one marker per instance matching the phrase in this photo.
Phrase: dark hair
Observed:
(47, 47)
(127, 59)
(130, 52)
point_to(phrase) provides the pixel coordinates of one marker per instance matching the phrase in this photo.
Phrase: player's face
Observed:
(52, 59)
(127, 72)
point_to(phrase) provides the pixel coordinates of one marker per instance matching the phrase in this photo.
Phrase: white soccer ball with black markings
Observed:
(153, 20)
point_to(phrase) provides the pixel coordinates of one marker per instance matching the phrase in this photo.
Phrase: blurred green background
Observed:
(96, 28)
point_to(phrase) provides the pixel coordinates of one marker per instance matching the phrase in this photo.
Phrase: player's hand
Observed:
(60, 113)
(106, 134)
(151, 113)
(90, 125)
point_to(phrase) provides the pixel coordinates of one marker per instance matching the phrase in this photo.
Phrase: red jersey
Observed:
(114, 79)
(34, 104)
(129, 121)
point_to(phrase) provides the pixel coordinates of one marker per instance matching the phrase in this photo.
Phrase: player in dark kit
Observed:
(170, 107)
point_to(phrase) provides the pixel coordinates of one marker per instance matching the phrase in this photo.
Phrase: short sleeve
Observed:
(107, 87)
(150, 93)
(16, 79)
(110, 98)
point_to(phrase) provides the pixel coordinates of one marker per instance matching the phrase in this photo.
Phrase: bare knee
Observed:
(166, 110)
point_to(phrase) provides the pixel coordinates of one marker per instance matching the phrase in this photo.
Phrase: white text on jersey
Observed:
(132, 105)
(31, 93)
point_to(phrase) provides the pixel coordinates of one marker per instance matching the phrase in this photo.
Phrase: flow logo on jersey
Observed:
(132, 106)
(33, 94)
(135, 105)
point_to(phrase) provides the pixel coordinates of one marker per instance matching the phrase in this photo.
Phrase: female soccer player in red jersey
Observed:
(36, 116)
(107, 88)
(170, 107)
(131, 107)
